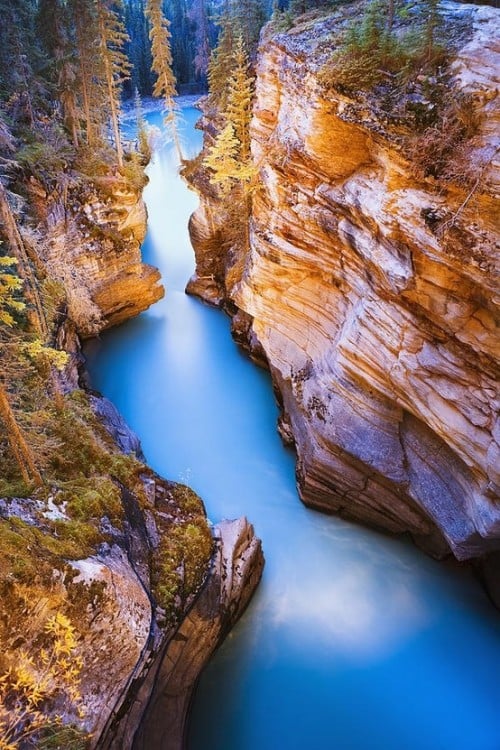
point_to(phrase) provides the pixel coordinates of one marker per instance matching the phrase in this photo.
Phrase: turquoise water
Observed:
(354, 641)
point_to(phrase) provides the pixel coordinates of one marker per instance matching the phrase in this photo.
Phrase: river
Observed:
(354, 640)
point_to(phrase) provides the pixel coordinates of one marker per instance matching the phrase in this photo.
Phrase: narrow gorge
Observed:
(283, 288)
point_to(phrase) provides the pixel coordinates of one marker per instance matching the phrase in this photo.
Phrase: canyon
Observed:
(371, 293)
(369, 290)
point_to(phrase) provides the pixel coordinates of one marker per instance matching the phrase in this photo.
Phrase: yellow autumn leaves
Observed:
(29, 689)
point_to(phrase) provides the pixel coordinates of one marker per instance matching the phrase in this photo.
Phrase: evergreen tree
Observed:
(222, 159)
(432, 20)
(18, 249)
(248, 17)
(10, 286)
(230, 157)
(112, 37)
(138, 49)
(142, 128)
(229, 160)
(55, 36)
(17, 441)
(390, 15)
(199, 16)
(239, 100)
(90, 78)
(221, 64)
(165, 85)
(19, 57)
(49, 26)
(182, 39)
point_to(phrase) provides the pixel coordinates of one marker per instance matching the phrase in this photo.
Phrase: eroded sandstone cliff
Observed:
(93, 232)
(373, 294)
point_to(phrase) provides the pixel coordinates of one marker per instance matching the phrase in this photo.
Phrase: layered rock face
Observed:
(379, 327)
(97, 229)
(236, 570)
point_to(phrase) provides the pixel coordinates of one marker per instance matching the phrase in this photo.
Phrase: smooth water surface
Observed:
(354, 641)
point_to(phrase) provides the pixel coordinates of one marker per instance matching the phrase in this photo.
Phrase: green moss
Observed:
(187, 499)
(181, 562)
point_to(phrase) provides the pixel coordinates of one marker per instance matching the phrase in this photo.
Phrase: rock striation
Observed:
(373, 295)
(93, 235)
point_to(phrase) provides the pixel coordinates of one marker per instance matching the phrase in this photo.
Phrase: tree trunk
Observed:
(110, 84)
(17, 441)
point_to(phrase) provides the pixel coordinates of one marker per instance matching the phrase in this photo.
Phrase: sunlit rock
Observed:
(374, 297)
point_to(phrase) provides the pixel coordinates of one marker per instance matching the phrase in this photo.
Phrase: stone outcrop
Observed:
(138, 661)
(93, 235)
(373, 295)
(162, 702)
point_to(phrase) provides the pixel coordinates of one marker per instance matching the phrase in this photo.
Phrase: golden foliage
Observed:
(10, 285)
(229, 159)
(30, 688)
(161, 53)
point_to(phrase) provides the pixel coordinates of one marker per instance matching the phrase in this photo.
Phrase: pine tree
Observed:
(221, 64)
(222, 159)
(54, 33)
(17, 441)
(18, 249)
(142, 129)
(239, 100)
(248, 18)
(198, 14)
(90, 79)
(19, 56)
(165, 85)
(112, 37)
(181, 43)
(430, 11)
(138, 49)
(229, 158)
(390, 16)
(10, 285)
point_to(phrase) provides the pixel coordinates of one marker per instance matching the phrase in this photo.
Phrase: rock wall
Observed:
(139, 663)
(163, 701)
(379, 327)
(92, 243)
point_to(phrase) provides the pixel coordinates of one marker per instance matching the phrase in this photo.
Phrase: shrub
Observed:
(373, 51)
(440, 150)
(30, 687)
(133, 171)
(181, 562)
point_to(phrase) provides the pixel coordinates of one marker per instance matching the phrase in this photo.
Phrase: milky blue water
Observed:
(354, 641)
